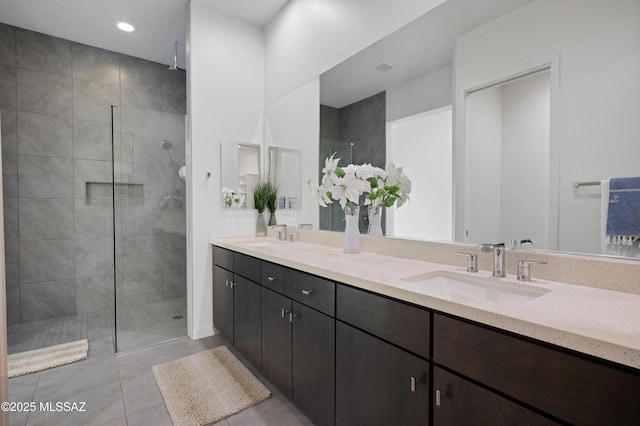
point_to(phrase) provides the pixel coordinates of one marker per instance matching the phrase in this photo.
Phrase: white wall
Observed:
(225, 102)
(525, 161)
(507, 162)
(422, 146)
(308, 37)
(294, 122)
(483, 162)
(425, 93)
(598, 46)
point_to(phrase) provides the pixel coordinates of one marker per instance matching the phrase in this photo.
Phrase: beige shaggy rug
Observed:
(41, 359)
(208, 386)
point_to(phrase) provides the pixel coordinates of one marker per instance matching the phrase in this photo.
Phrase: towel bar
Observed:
(589, 183)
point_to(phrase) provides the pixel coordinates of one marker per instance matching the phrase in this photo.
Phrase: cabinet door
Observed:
(276, 340)
(223, 301)
(247, 319)
(314, 363)
(463, 403)
(576, 389)
(374, 381)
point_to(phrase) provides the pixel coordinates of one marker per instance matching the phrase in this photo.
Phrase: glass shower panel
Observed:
(150, 232)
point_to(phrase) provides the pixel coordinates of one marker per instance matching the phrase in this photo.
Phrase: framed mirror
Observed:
(446, 58)
(239, 172)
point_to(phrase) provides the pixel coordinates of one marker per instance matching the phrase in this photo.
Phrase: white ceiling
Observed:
(421, 47)
(256, 12)
(159, 23)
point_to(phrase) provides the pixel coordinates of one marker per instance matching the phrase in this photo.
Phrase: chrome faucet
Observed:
(498, 258)
(282, 234)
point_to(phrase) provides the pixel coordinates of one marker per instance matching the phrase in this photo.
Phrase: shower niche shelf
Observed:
(133, 193)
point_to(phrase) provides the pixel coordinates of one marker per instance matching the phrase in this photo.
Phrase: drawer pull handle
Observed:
(232, 284)
(272, 278)
(439, 395)
(414, 382)
(226, 283)
(283, 312)
(308, 292)
(292, 316)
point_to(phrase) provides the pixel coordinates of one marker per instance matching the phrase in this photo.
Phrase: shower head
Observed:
(166, 144)
(175, 66)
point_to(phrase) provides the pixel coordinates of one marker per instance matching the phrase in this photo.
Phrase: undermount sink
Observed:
(458, 288)
(261, 244)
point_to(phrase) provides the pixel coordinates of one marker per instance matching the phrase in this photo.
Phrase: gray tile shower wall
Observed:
(55, 97)
(361, 123)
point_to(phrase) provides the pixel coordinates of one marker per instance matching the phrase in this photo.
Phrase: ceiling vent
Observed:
(383, 66)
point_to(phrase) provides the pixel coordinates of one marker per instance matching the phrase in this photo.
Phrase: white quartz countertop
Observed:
(602, 323)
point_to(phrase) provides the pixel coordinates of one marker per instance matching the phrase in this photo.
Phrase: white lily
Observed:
(320, 194)
(349, 188)
(329, 170)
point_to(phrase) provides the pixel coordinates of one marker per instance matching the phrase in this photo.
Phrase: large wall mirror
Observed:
(501, 112)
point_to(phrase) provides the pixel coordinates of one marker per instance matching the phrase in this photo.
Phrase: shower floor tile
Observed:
(137, 326)
(40, 334)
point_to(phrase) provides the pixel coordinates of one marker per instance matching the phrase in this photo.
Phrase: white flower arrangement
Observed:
(231, 198)
(389, 187)
(346, 185)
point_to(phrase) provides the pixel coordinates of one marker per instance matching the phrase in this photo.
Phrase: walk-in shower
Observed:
(94, 213)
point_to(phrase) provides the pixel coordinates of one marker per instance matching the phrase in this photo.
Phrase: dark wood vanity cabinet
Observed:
(347, 356)
(382, 372)
(298, 341)
(567, 386)
(313, 363)
(247, 318)
(223, 301)
(276, 340)
(460, 402)
(378, 383)
(237, 300)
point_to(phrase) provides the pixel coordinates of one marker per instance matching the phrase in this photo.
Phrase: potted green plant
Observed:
(272, 202)
(261, 193)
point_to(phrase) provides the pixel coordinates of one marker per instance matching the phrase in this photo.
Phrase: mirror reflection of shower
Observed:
(176, 198)
(175, 66)
(332, 216)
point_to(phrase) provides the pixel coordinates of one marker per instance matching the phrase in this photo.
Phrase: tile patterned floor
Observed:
(121, 390)
(40, 334)
(138, 326)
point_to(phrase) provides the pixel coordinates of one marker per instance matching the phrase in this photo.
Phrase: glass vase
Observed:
(351, 230)
(261, 228)
(272, 219)
(375, 221)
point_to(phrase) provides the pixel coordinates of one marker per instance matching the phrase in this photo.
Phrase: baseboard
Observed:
(202, 332)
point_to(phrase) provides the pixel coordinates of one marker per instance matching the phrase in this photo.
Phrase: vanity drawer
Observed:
(223, 258)
(247, 266)
(396, 322)
(575, 389)
(310, 290)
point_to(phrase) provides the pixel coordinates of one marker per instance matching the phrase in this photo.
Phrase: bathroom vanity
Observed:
(370, 339)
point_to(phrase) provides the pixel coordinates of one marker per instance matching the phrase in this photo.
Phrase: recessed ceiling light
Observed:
(125, 26)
